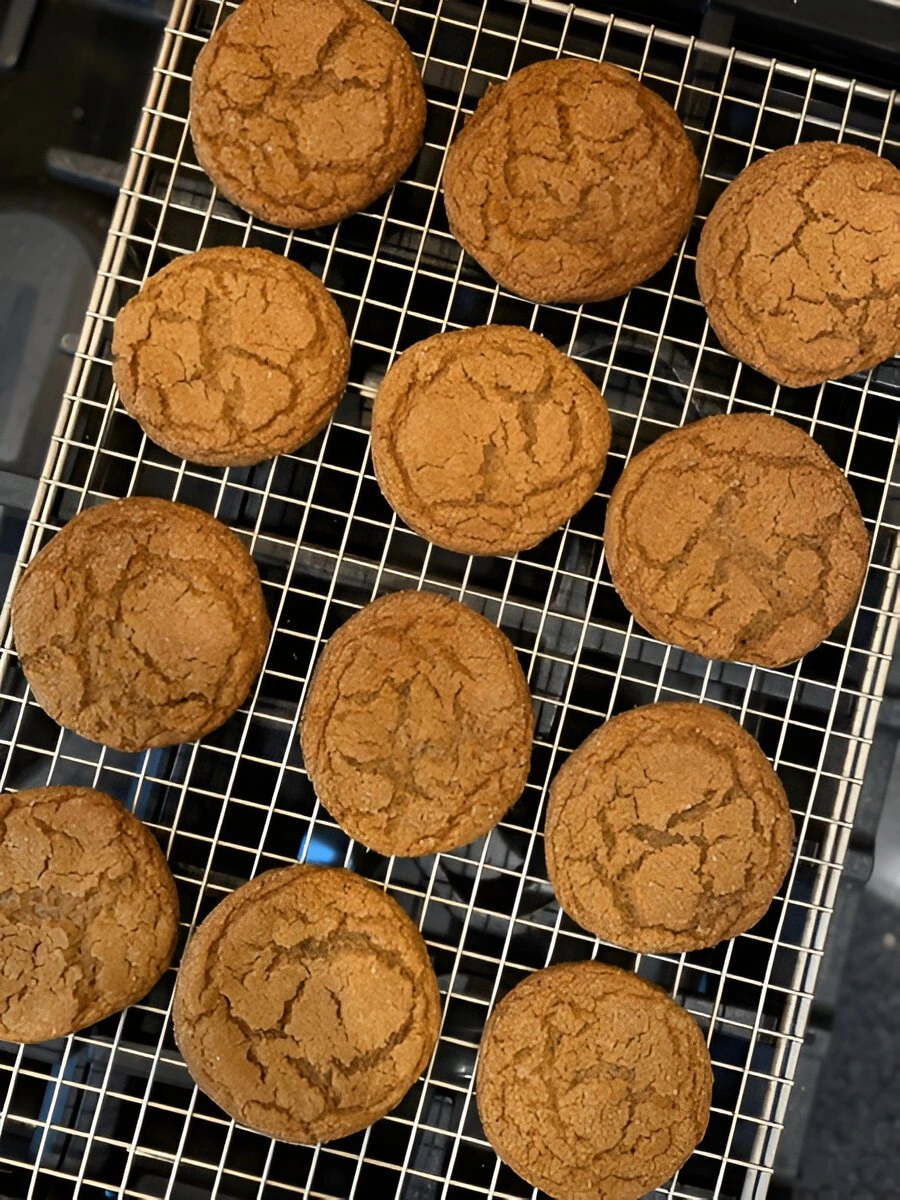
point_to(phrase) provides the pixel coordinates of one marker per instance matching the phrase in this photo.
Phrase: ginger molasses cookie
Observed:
(487, 440)
(142, 623)
(738, 538)
(88, 911)
(306, 1005)
(571, 182)
(668, 830)
(230, 356)
(799, 263)
(592, 1082)
(305, 111)
(417, 729)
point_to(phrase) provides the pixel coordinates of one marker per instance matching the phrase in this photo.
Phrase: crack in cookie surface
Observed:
(487, 440)
(142, 623)
(799, 263)
(417, 729)
(304, 112)
(88, 911)
(592, 1082)
(306, 1005)
(668, 830)
(230, 356)
(571, 181)
(736, 537)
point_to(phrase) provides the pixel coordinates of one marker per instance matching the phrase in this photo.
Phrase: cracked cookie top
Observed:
(306, 1005)
(799, 263)
(591, 1082)
(417, 729)
(305, 111)
(488, 439)
(668, 830)
(738, 538)
(230, 356)
(571, 182)
(88, 911)
(142, 623)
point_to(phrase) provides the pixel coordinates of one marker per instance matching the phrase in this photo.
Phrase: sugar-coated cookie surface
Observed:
(486, 440)
(592, 1082)
(738, 538)
(306, 1004)
(230, 356)
(141, 623)
(88, 911)
(799, 263)
(667, 830)
(416, 732)
(305, 111)
(571, 181)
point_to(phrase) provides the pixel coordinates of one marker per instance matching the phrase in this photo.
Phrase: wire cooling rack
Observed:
(112, 1111)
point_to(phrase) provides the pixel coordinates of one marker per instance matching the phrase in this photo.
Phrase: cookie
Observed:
(230, 356)
(736, 537)
(306, 1005)
(305, 111)
(487, 440)
(799, 263)
(592, 1083)
(142, 623)
(667, 830)
(571, 182)
(417, 729)
(88, 911)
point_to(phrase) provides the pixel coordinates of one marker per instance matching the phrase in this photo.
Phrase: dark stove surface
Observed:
(78, 87)
(73, 77)
(859, 38)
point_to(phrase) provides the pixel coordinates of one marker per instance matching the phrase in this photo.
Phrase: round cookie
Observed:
(305, 112)
(88, 911)
(591, 1082)
(487, 440)
(799, 263)
(571, 182)
(306, 1005)
(142, 623)
(667, 830)
(417, 729)
(736, 537)
(230, 356)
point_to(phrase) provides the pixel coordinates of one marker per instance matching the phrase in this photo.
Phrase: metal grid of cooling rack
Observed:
(112, 1111)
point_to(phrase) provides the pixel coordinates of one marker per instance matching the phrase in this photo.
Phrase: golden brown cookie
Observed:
(142, 623)
(306, 1005)
(230, 356)
(667, 830)
(799, 263)
(738, 538)
(592, 1082)
(305, 111)
(88, 911)
(417, 729)
(487, 440)
(571, 181)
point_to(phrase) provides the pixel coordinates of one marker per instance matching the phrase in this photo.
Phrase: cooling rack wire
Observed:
(112, 1111)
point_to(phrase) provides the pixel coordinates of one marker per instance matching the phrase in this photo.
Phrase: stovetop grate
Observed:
(112, 1111)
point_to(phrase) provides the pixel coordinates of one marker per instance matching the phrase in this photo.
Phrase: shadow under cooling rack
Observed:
(112, 1111)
